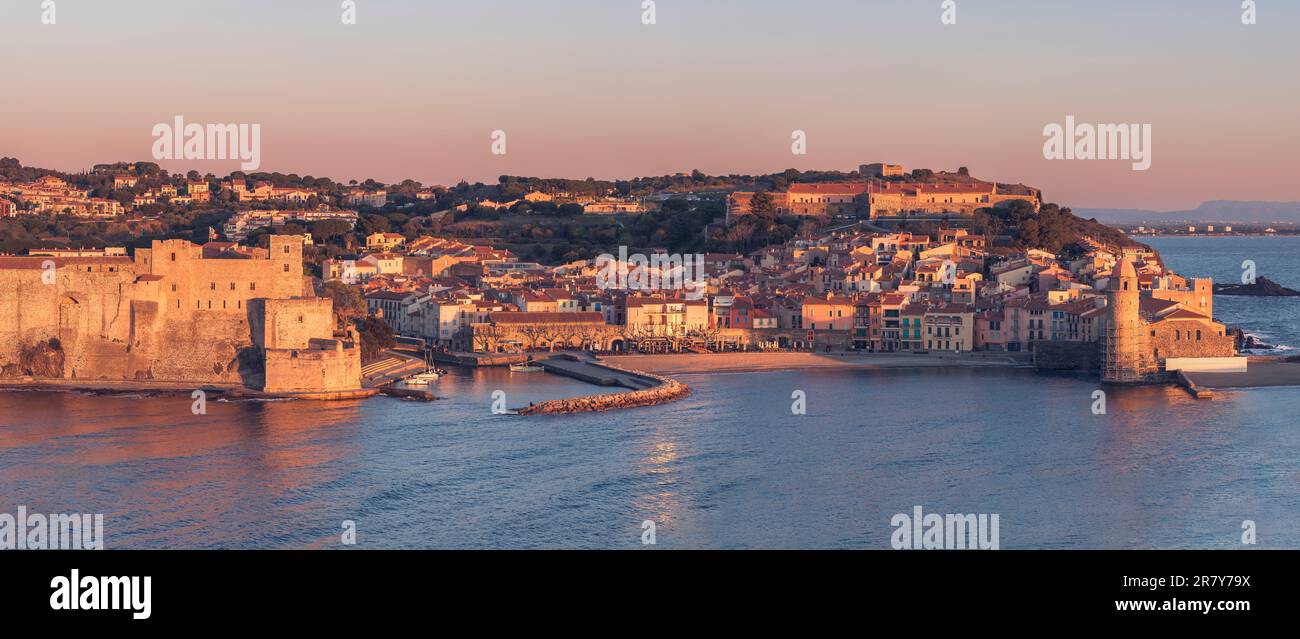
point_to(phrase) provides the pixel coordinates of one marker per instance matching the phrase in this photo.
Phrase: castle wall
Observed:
(1199, 297)
(293, 323)
(326, 366)
(168, 315)
(1067, 356)
(191, 283)
(82, 303)
(1191, 338)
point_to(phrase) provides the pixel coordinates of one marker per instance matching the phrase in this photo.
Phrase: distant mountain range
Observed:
(1211, 211)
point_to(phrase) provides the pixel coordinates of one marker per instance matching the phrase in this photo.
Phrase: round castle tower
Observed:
(1125, 352)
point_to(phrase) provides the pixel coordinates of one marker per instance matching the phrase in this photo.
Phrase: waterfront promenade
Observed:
(1261, 372)
(677, 364)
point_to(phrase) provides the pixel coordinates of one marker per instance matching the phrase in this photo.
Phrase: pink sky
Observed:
(583, 89)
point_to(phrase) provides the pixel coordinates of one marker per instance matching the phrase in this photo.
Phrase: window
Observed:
(252, 286)
(286, 268)
(173, 257)
(214, 286)
(232, 286)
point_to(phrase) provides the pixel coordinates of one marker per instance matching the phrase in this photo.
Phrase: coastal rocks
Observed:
(1247, 342)
(1263, 287)
(667, 390)
(1252, 343)
(41, 359)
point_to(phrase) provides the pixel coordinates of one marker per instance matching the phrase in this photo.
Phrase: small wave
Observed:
(115, 394)
(256, 400)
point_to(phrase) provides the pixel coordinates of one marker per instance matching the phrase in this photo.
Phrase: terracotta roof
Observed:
(821, 301)
(1183, 313)
(388, 295)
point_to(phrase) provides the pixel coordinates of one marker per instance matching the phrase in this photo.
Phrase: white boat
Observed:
(526, 368)
(422, 379)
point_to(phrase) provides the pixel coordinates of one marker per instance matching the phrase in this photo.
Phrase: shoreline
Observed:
(696, 363)
(1265, 371)
(1215, 235)
(1261, 372)
(171, 389)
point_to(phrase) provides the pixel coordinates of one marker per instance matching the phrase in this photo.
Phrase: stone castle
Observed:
(1142, 332)
(171, 314)
(885, 199)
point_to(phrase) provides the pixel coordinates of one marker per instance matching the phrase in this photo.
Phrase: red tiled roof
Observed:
(1183, 313)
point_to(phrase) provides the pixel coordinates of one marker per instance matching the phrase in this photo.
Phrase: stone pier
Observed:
(647, 389)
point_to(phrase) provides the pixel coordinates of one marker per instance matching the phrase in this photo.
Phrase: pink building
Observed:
(990, 331)
(827, 314)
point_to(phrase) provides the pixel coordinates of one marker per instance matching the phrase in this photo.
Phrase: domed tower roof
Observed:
(1123, 272)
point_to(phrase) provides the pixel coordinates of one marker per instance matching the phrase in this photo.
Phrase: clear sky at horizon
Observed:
(584, 89)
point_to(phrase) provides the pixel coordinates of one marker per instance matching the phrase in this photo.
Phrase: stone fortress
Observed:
(1144, 331)
(170, 314)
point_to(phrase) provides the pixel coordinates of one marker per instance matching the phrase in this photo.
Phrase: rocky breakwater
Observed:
(664, 390)
(1262, 287)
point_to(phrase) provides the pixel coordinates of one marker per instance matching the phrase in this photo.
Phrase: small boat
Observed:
(527, 367)
(423, 379)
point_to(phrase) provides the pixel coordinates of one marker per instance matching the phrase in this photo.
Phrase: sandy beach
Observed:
(686, 363)
(1260, 372)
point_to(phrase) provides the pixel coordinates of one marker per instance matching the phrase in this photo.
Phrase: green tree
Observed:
(762, 205)
(376, 337)
(348, 302)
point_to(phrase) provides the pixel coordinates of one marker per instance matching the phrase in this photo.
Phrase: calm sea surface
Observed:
(729, 467)
(1276, 320)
